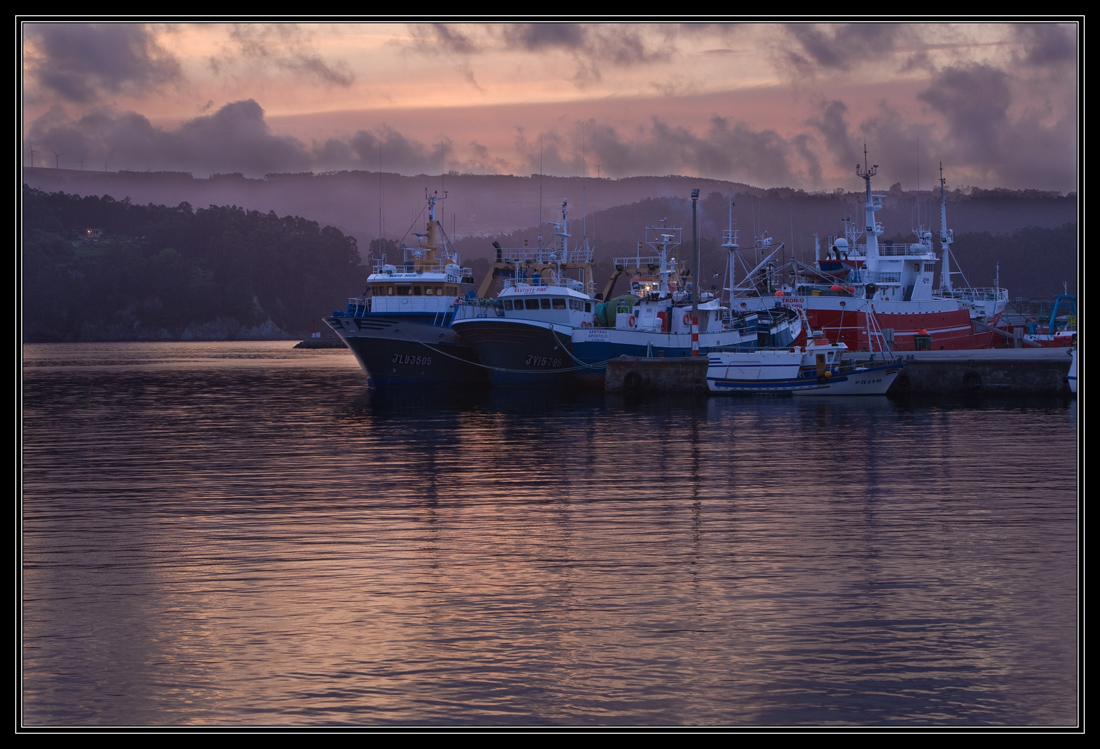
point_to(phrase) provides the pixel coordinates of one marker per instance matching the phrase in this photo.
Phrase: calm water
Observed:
(243, 533)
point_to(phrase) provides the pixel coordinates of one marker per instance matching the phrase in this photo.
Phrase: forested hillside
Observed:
(96, 268)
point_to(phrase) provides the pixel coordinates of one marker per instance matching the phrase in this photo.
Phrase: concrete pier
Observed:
(687, 374)
(1027, 371)
(992, 371)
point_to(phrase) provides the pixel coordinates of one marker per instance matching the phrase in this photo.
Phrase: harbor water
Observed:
(243, 534)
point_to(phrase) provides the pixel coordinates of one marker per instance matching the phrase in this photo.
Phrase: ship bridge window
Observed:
(559, 303)
(389, 291)
(429, 291)
(402, 291)
(929, 267)
(532, 303)
(545, 303)
(588, 306)
(416, 291)
(508, 304)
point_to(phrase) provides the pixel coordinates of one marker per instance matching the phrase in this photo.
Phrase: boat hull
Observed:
(948, 326)
(397, 352)
(865, 381)
(521, 353)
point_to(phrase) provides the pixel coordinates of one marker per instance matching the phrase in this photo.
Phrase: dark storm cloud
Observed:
(978, 135)
(238, 134)
(974, 101)
(725, 151)
(835, 133)
(545, 153)
(1047, 43)
(840, 46)
(536, 37)
(804, 145)
(401, 154)
(1037, 154)
(590, 46)
(235, 138)
(613, 44)
(908, 151)
(443, 38)
(286, 47)
(81, 62)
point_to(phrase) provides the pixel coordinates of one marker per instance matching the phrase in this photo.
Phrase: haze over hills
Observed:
(1029, 237)
(490, 205)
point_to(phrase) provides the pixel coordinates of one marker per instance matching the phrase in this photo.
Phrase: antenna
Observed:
(584, 197)
(540, 184)
(381, 226)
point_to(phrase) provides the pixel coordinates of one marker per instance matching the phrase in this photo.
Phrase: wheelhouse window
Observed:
(559, 303)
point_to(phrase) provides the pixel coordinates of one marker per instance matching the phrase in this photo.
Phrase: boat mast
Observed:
(562, 230)
(731, 246)
(874, 229)
(431, 240)
(946, 237)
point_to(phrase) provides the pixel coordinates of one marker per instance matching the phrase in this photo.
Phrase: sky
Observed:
(765, 104)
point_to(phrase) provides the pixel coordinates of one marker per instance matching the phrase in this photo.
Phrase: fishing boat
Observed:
(523, 335)
(1072, 376)
(819, 368)
(656, 316)
(399, 328)
(837, 293)
(1061, 330)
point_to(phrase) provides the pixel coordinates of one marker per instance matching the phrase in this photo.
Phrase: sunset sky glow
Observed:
(761, 103)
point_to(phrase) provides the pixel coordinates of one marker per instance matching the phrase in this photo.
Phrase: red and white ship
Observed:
(892, 281)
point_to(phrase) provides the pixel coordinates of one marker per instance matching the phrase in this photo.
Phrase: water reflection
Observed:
(218, 537)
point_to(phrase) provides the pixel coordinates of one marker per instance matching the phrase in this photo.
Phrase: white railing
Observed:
(904, 250)
(545, 255)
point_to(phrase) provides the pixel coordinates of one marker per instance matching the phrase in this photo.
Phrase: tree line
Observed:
(96, 267)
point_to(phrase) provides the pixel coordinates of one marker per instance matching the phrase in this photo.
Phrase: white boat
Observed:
(1072, 377)
(818, 368)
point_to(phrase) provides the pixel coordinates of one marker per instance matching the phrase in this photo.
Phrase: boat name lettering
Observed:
(531, 289)
(424, 361)
(542, 361)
